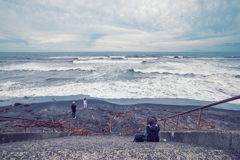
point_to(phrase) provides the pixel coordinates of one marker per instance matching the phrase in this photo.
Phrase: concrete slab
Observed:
(235, 141)
(109, 147)
(218, 139)
(17, 136)
(165, 135)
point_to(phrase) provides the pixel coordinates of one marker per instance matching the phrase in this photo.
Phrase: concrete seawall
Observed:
(218, 139)
(17, 137)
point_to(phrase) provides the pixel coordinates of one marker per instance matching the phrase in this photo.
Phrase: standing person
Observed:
(85, 102)
(73, 110)
(152, 130)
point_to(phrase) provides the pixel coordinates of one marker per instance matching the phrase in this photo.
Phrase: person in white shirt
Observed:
(85, 103)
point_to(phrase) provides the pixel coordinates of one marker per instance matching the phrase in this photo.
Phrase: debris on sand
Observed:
(22, 105)
(5, 110)
(121, 121)
(17, 104)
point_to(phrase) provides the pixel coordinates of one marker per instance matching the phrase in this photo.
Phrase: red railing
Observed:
(200, 111)
(36, 121)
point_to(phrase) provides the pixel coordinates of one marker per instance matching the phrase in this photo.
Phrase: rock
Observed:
(17, 104)
(27, 105)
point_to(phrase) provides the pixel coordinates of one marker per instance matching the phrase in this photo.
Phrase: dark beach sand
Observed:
(104, 118)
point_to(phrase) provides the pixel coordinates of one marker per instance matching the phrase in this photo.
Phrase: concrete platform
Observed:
(18, 136)
(217, 139)
(109, 147)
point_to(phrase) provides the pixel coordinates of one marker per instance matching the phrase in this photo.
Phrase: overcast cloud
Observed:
(110, 25)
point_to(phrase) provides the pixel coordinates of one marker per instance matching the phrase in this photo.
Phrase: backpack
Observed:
(139, 138)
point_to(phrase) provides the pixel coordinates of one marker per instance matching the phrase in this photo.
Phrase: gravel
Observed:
(109, 147)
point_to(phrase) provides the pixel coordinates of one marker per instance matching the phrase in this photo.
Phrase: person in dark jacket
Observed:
(152, 130)
(73, 110)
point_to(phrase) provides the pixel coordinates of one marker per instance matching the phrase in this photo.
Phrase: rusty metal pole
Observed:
(199, 118)
(24, 126)
(61, 128)
(53, 127)
(177, 122)
(164, 124)
(41, 127)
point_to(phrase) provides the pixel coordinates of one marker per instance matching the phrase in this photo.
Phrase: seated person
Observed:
(152, 130)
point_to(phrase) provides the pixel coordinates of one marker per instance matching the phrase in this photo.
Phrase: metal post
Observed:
(41, 127)
(164, 124)
(24, 126)
(61, 128)
(177, 122)
(199, 118)
(53, 127)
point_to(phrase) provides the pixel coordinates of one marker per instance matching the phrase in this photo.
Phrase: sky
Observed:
(119, 25)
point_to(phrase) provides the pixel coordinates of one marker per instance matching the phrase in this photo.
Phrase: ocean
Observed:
(197, 77)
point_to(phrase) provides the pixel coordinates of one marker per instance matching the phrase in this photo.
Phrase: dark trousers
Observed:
(73, 114)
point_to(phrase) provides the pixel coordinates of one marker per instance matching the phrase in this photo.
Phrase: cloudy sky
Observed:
(119, 25)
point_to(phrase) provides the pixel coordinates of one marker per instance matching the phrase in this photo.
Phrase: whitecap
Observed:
(107, 61)
(42, 67)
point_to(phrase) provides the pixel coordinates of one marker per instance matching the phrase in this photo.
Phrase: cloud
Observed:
(18, 41)
(118, 25)
(97, 36)
(230, 44)
(55, 38)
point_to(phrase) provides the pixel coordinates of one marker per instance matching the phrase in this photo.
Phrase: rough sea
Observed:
(133, 76)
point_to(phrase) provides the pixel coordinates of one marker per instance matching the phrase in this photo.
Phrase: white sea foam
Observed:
(63, 57)
(142, 59)
(113, 59)
(92, 57)
(165, 86)
(113, 77)
(107, 61)
(42, 67)
(171, 57)
(117, 57)
(8, 84)
(185, 72)
(196, 67)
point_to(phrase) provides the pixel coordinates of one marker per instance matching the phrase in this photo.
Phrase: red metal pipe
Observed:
(210, 105)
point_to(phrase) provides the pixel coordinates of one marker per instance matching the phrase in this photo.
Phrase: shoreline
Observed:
(122, 101)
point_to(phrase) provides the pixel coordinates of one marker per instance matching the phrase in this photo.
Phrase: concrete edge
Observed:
(18, 136)
(218, 139)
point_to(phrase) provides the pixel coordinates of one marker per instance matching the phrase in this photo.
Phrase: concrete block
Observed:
(218, 139)
(17, 137)
(221, 140)
(165, 135)
(185, 137)
(235, 141)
